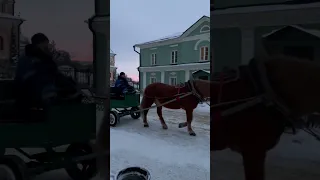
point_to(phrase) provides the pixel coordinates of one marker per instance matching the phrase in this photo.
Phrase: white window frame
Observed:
(174, 57)
(173, 77)
(208, 55)
(153, 59)
(205, 26)
(155, 79)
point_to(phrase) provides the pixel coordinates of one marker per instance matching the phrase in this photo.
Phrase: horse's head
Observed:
(202, 88)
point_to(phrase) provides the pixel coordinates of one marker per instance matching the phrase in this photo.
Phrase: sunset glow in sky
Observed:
(132, 22)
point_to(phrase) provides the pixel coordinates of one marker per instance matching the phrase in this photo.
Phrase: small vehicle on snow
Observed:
(71, 124)
(123, 105)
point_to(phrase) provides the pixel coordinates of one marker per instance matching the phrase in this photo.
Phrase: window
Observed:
(1, 44)
(153, 59)
(173, 81)
(204, 53)
(204, 29)
(153, 80)
(174, 57)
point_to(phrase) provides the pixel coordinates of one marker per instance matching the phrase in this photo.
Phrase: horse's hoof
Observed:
(192, 133)
(146, 125)
(165, 127)
(181, 125)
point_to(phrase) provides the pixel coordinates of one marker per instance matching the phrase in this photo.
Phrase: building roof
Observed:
(172, 36)
(112, 53)
(313, 32)
(208, 72)
(289, 5)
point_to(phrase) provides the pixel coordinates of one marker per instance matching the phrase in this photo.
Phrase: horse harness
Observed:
(256, 71)
(192, 90)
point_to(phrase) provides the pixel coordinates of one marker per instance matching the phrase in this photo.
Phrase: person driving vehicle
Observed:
(122, 84)
(38, 80)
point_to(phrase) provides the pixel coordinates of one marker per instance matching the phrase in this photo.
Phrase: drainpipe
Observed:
(134, 48)
(90, 22)
(19, 33)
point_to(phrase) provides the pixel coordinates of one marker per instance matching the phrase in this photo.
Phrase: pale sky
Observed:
(138, 21)
(132, 22)
(62, 21)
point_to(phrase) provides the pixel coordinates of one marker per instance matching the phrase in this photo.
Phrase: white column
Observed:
(99, 24)
(144, 80)
(101, 28)
(247, 44)
(187, 75)
(162, 76)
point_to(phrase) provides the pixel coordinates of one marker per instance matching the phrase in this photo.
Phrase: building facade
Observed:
(9, 35)
(278, 28)
(173, 59)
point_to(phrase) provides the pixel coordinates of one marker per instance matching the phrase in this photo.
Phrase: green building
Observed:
(173, 59)
(255, 28)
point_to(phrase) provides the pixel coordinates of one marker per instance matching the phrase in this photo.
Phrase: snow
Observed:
(168, 154)
(172, 36)
(203, 108)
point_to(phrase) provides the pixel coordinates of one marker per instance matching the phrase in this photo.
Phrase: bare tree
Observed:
(58, 54)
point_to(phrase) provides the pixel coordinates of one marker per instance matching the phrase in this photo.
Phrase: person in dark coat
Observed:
(122, 83)
(38, 80)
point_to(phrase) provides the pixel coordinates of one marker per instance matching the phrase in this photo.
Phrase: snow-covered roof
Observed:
(175, 35)
(166, 38)
(265, 8)
(201, 70)
(313, 32)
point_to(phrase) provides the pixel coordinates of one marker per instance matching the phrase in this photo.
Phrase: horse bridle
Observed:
(195, 91)
(268, 97)
(244, 103)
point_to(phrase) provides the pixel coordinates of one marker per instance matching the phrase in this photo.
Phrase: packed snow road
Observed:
(295, 158)
(172, 154)
(168, 154)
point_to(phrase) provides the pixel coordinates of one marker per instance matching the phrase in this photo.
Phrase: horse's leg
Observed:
(145, 121)
(163, 123)
(145, 103)
(254, 164)
(189, 114)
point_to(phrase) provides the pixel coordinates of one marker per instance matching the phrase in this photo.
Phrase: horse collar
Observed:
(195, 91)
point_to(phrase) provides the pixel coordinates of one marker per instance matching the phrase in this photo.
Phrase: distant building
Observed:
(173, 59)
(279, 27)
(9, 35)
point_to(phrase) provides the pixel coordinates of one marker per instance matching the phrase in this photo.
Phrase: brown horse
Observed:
(160, 93)
(251, 127)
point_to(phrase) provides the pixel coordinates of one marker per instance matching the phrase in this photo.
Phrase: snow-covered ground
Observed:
(168, 154)
(173, 155)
